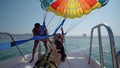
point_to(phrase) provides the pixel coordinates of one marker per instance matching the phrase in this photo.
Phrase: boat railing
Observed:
(118, 59)
(112, 45)
(13, 42)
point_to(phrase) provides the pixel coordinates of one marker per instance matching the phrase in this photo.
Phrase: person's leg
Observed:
(34, 50)
(39, 52)
(46, 47)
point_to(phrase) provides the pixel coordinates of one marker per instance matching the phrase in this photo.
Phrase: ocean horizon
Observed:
(72, 44)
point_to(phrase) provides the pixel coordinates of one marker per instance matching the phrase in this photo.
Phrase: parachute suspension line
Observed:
(72, 27)
(50, 20)
(57, 25)
(44, 24)
(45, 15)
(61, 24)
(77, 23)
(58, 22)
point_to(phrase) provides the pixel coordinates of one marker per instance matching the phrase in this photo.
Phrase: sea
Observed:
(72, 44)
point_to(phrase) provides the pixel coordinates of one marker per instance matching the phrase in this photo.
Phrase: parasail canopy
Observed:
(72, 8)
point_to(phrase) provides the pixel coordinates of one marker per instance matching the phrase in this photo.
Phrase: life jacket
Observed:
(45, 62)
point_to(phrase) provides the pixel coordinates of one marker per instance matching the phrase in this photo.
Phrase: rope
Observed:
(58, 22)
(45, 14)
(72, 27)
(54, 25)
(50, 20)
(61, 24)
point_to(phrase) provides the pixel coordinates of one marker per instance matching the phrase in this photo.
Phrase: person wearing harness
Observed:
(36, 32)
(54, 56)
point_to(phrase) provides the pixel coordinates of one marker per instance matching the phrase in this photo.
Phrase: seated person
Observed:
(54, 56)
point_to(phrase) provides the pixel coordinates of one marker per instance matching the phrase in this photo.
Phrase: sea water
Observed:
(72, 44)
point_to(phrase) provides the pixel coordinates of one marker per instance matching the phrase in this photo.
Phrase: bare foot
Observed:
(31, 60)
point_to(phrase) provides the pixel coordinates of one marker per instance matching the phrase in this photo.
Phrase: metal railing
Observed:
(14, 42)
(118, 59)
(112, 45)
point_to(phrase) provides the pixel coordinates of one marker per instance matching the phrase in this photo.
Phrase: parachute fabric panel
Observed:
(103, 2)
(73, 8)
(45, 3)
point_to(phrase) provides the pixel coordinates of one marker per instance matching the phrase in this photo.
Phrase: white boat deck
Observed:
(78, 61)
(74, 60)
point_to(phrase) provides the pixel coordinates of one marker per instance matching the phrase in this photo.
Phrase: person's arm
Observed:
(62, 37)
(35, 32)
(46, 30)
(62, 32)
(50, 41)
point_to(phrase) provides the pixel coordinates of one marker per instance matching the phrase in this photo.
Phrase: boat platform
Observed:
(73, 60)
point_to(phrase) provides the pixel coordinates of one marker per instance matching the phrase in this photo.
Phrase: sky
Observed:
(19, 17)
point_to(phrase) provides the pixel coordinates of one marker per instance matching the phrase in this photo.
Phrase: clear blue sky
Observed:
(19, 16)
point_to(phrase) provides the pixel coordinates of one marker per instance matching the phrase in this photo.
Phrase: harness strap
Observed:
(59, 26)
(45, 61)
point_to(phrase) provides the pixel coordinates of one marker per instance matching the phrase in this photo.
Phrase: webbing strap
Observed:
(11, 44)
(5, 45)
(43, 28)
(59, 26)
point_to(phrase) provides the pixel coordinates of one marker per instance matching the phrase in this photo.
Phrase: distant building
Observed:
(84, 35)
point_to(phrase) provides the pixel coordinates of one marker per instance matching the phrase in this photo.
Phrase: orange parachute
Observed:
(72, 8)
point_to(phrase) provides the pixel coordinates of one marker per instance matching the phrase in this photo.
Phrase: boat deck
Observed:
(74, 60)
(78, 61)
